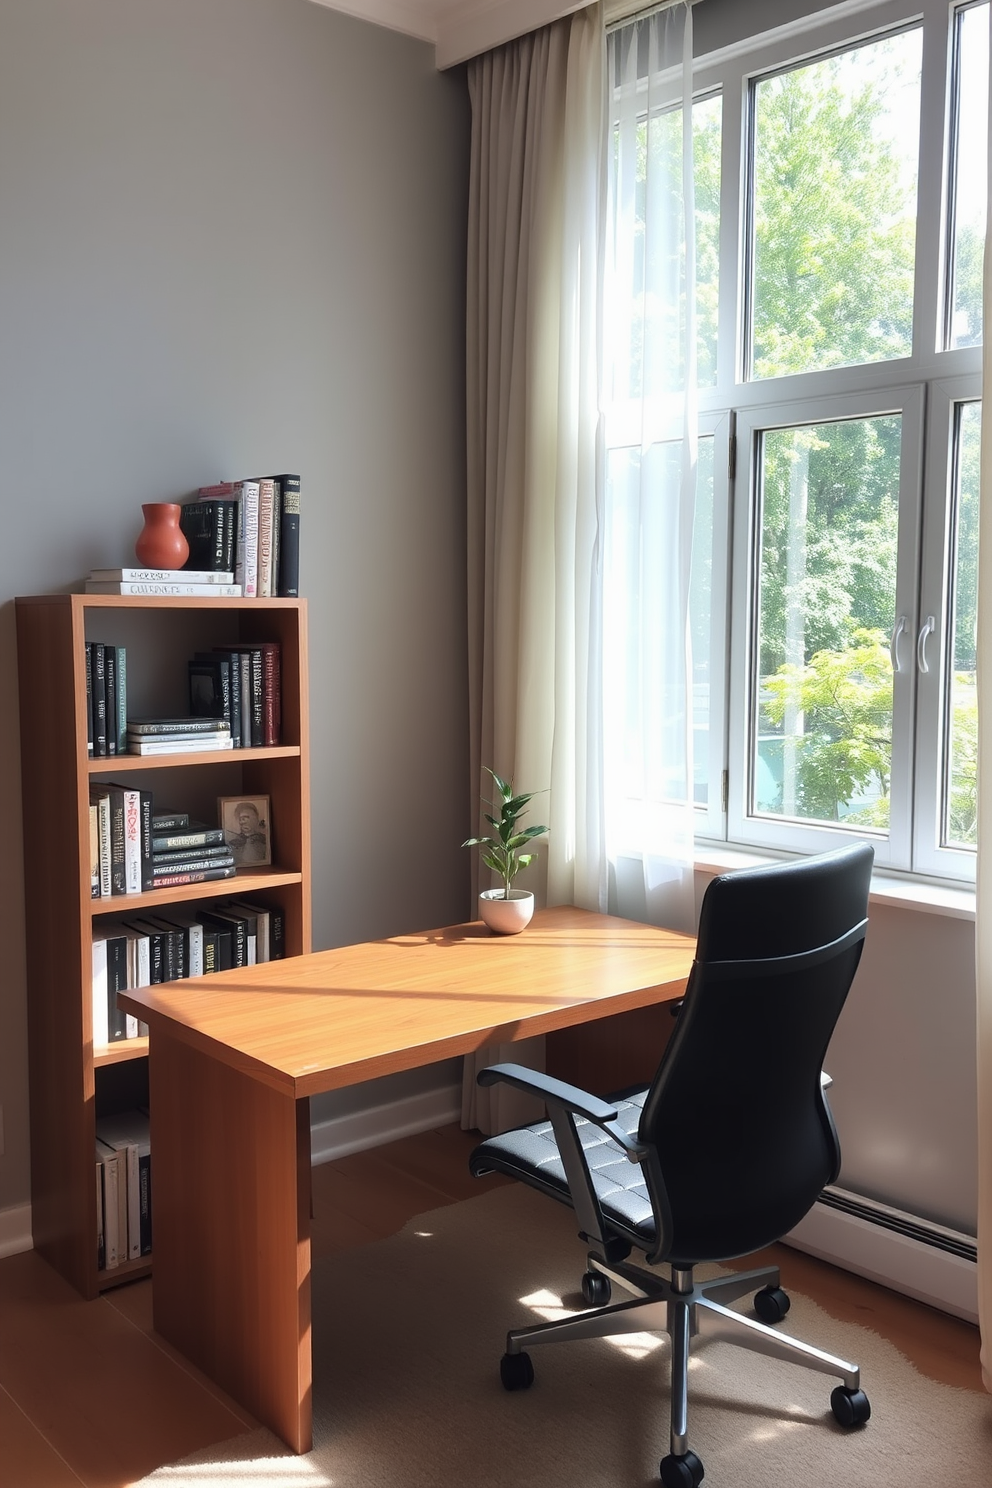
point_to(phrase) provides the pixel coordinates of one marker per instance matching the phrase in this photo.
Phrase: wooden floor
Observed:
(90, 1395)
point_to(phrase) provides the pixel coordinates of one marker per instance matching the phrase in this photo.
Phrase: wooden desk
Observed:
(234, 1058)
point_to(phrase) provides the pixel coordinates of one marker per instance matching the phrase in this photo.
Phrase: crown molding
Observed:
(459, 29)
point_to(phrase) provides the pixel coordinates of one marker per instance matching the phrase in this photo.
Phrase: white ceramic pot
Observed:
(506, 916)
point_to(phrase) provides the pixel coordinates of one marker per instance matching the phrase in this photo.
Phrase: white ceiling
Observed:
(458, 28)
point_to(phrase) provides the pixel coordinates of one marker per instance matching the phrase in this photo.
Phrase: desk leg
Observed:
(231, 1232)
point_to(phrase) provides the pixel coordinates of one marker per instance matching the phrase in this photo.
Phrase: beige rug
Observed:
(408, 1334)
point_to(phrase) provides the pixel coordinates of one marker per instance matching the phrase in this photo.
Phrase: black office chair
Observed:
(728, 1147)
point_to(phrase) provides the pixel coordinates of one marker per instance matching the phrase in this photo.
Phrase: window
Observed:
(840, 170)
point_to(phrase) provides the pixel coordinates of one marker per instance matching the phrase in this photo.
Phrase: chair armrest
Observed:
(569, 1097)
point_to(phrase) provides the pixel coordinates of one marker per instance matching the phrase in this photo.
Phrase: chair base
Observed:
(683, 1308)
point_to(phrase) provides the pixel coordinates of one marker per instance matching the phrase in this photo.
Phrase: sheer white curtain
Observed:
(984, 887)
(537, 188)
(651, 434)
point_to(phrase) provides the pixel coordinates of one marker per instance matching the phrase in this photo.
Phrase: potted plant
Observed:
(506, 909)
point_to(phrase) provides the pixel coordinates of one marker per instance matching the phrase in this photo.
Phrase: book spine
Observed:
(169, 822)
(249, 504)
(116, 982)
(271, 695)
(145, 807)
(202, 523)
(132, 841)
(266, 492)
(99, 701)
(277, 935)
(94, 850)
(289, 537)
(230, 534)
(121, 654)
(110, 684)
(101, 1253)
(101, 1027)
(209, 951)
(118, 879)
(193, 857)
(257, 700)
(199, 875)
(89, 698)
(164, 727)
(167, 589)
(111, 1234)
(145, 1203)
(276, 532)
(175, 842)
(106, 868)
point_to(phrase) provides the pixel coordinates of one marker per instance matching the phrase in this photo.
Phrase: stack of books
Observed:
(177, 735)
(190, 852)
(251, 527)
(175, 583)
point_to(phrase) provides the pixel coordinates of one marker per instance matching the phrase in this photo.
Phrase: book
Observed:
(263, 921)
(188, 574)
(209, 675)
(155, 936)
(89, 698)
(197, 834)
(289, 537)
(202, 522)
(116, 669)
(271, 692)
(251, 666)
(129, 1134)
(277, 935)
(180, 744)
(116, 982)
(192, 857)
(170, 821)
(100, 797)
(197, 875)
(266, 513)
(108, 1159)
(219, 917)
(136, 840)
(153, 728)
(246, 554)
(94, 811)
(99, 685)
(191, 931)
(166, 588)
(210, 963)
(117, 846)
(100, 1024)
(101, 1254)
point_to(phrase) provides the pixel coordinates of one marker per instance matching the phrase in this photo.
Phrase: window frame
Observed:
(918, 385)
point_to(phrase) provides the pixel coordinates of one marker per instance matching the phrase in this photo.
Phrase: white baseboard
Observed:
(15, 1230)
(918, 1270)
(384, 1123)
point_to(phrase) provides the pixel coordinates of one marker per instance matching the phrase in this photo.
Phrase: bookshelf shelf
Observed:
(73, 1083)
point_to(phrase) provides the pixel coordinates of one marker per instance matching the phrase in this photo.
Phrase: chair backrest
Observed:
(736, 1113)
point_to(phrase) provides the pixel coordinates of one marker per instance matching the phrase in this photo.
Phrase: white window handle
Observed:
(901, 624)
(928, 627)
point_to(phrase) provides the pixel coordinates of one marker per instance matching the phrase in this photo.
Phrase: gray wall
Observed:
(232, 240)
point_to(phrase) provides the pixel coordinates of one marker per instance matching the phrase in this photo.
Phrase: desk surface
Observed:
(333, 1018)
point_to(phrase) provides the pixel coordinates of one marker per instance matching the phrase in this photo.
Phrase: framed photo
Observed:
(245, 821)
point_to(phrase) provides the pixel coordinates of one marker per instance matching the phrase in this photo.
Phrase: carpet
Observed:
(408, 1334)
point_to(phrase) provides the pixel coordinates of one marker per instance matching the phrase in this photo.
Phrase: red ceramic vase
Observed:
(161, 543)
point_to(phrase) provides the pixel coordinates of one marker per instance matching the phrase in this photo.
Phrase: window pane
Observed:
(970, 173)
(834, 207)
(646, 317)
(961, 709)
(822, 721)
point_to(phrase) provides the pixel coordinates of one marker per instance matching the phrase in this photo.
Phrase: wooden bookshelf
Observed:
(71, 1082)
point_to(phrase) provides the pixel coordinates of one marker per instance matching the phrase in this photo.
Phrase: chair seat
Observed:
(531, 1153)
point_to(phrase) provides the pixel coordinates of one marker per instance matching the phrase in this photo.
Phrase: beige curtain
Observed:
(983, 926)
(533, 357)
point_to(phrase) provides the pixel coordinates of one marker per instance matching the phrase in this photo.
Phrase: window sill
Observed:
(953, 900)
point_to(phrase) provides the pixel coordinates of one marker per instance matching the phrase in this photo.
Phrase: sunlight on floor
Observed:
(550, 1307)
(279, 1472)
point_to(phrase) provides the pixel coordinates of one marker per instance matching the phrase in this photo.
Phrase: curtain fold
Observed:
(983, 896)
(534, 451)
(652, 420)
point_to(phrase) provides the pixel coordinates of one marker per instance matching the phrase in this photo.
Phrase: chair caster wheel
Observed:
(771, 1304)
(681, 1472)
(850, 1407)
(596, 1289)
(516, 1371)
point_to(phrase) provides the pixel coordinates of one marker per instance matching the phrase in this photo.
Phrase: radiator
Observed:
(912, 1255)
